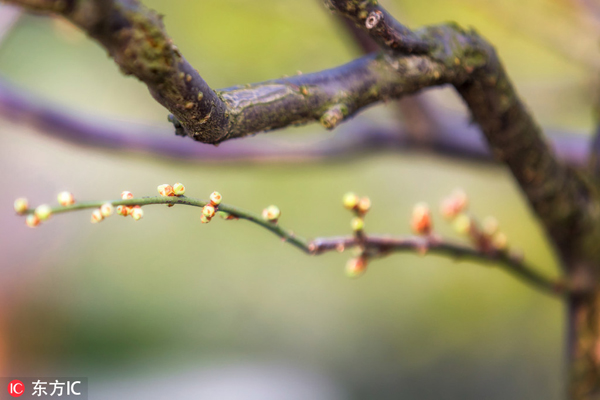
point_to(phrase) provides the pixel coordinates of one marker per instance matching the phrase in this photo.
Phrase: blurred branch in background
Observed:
(454, 138)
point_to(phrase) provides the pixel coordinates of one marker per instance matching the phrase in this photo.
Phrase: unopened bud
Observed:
(137, 213)
(225, 215)
(208, 211)
(123, 210)
(490, 226)
(364, 205)
(165, 190)
(96, 216)
(32, 221)
(107, 209)
(126, 195)
(421, 219)
(500, 241)
(350, 200)
(461, 199)
(355, 267)
(66, 199)
(43, 212)
(215, 198)
(178, 189)
(357, 224)
(271, 213)
(204, 219)
(21, 205)
(462, 224)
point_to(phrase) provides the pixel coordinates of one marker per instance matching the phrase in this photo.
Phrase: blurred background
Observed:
(167, 307)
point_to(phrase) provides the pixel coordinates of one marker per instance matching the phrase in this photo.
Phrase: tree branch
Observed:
(373, 246)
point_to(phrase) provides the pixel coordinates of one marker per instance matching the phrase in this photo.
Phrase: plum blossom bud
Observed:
(350, 201)
(178, 189)
(107, 209)
(453, 205)
(490, 226)
(461, 199)
(126, 195)
(137, 213)
(43, 212)
(97, 216)
(21, 205)
(32, 221)
(500, 241)
(421, 219)
(208, 211)
(364, 205)
(225, 215)
(271, 213)
(355, 267)
(66, 199)
(357, 224)
(215, 198)
(204, 219)
(165, 190)
(123, 210)
(462, 224)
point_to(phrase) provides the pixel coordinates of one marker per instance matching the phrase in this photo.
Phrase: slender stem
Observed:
(375, 246)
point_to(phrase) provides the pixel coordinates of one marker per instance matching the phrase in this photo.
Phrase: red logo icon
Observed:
(16, 388)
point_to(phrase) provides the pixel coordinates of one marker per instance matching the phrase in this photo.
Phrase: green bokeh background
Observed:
(135, 302)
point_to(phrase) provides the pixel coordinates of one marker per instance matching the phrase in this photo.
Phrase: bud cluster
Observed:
(209, 210)
(175, 190)
(107, 209)
(360, 206)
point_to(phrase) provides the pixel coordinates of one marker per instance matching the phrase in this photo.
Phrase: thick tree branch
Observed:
(373, 246)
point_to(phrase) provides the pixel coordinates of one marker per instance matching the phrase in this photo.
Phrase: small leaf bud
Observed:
(178, 189)
(421, 219)
(215, 198)
(137, 213)
(21, 205)
(208, 210)
(355, 267)
(126, 195)
(43, 212)
(32, 221)
(350, 201)
(66, 199)
(271, 213)
(357, 224)
(96, 216)
(107, 209)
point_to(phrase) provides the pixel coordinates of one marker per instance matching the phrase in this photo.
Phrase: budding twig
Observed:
(371, 246)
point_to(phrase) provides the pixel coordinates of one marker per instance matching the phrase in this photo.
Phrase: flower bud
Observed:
(461, 200)
(462, 224)
(500, 241)
(107, 209)
(357, 224)
(215, 198)
(96, 216)
(364, 205)
(178, 189)
(32, 221)
(21, 205)
(490, 226)
(165, 190)
(448, 208)
(126, 195)
(137, 213)
(208, 211)
(66, 199)
(271, 213)
(123, 210)
(204, 219)
(350, 201)
(43, 212)
(225, 215)
(355, 267)
(421, 219)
